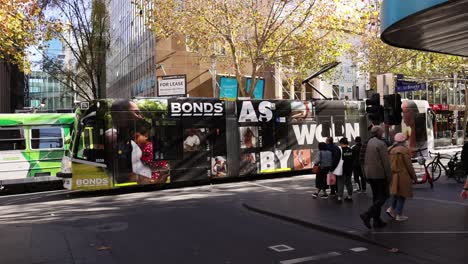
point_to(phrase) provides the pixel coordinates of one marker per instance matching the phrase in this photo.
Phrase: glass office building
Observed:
(48, 94)
(130, 59)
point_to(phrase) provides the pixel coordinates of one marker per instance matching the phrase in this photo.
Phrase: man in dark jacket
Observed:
(359, 178)
(336, 157)
(378, 174)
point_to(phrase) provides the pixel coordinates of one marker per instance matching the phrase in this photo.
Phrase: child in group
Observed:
(146, 146)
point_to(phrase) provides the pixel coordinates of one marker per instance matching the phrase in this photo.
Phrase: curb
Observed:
(322, 228)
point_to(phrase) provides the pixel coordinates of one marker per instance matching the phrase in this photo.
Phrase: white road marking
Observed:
(316, 257)
(281, 248)
(440, 201)
(358, 249)
(267, 187)
(422, 232)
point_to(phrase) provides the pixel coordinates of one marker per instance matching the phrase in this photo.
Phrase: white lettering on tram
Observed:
(92, 182)
(267, 159)
(248, 114)
(306, 133)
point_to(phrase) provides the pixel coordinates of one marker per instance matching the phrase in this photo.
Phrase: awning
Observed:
(428, 25)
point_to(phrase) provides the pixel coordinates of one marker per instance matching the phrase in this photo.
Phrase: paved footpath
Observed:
(437, 229)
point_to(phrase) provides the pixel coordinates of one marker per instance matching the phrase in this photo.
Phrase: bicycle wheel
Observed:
(435, 170)
(459, 173)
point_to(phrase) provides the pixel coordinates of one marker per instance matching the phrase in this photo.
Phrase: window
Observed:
(91, 143)
(46, 138)
(12, 139)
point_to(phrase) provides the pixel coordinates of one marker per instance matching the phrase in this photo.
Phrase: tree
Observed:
(84, 31)
(377, 57)
(255, 33)
(22, 24)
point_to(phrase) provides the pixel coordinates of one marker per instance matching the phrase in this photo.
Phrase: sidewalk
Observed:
(437, 229)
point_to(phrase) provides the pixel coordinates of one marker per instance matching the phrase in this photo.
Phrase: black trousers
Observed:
(321, 179)
(359, 177)
(380, 194)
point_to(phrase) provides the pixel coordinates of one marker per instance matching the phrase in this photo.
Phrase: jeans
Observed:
(379, 196)
(398, 203)
(342, 181)
(359, 177)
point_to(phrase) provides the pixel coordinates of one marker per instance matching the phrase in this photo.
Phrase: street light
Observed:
(213, 58)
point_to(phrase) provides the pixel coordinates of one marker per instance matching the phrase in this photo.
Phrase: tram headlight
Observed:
(66, 165)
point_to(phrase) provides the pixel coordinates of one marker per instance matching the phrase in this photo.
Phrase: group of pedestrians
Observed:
(337, 165)
(388, 170)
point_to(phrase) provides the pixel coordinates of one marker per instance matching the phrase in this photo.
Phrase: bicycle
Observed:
(427, 175)
(436, 165)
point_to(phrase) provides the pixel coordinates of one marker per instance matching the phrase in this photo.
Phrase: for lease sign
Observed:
(172, 85)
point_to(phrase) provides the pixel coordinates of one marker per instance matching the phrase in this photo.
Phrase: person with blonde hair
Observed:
(403, 176)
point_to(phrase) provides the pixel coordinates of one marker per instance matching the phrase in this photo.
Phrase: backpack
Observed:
(336, 156)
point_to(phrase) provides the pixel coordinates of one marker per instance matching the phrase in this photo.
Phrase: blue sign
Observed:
(228, 88)
(259, 88)
(407, 86)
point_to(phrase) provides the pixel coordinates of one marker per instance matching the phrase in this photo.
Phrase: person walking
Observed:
(403, 176)
(324, 160)
(359, 178)
(378, 174)
(336, 157)
(344, 170)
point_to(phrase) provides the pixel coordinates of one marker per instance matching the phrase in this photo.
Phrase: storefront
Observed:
(448, 124)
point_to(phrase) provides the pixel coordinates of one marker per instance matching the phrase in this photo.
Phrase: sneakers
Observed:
(390, 212)
(315, 195)
(401, 218)
(324, 196)
(339, 199)
(349, 199)
(366, 220)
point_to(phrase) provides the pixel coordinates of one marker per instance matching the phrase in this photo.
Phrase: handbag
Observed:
(316, 168)
(331, 179)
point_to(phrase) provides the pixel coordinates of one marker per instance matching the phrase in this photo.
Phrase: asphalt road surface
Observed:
(204, 224)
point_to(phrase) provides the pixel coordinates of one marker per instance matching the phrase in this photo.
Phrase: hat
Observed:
(400, 137)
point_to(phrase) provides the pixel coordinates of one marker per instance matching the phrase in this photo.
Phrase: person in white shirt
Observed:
(192, 142)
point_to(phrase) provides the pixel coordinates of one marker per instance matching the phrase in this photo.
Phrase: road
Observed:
(204, 224)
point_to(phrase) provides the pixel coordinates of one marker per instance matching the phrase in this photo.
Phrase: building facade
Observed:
(12, 88)
(48, 94)
(131, 56)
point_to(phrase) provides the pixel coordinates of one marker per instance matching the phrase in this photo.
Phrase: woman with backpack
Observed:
(324, 161)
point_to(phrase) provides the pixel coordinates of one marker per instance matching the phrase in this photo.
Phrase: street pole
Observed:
(385, 92)
(213, 73)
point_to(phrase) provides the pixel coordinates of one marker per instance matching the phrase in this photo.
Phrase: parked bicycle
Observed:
(426, 175)
(454, 168)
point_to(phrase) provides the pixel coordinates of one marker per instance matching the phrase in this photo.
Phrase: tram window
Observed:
(91, 143)
(46, 138)
(167, 143)
(12, 139)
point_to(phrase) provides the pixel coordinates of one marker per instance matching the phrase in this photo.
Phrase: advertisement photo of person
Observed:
(147, 170)
(218, 167)
(302, 159)
(192, 140)
(414, 125)
(301, 111)
(248, 137)
(124, 113)
(248, 164)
